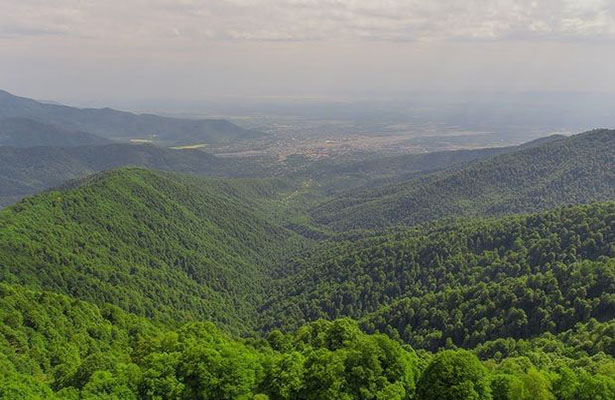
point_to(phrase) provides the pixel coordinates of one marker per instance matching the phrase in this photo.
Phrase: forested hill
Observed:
(165, 246)
(23, 132)
(461, 283)
(574, 170)
(25, 171)
(107, 284)
(113, 124)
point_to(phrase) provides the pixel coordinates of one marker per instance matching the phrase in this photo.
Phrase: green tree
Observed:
(537, 386)
(454, 375)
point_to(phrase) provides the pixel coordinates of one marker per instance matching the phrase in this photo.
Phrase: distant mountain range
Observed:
(403, 189)
(25, 171)
(118, 125)
(24, 132)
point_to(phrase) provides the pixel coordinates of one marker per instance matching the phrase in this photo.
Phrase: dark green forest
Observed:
(483, 276)
(460, 283)
(169, 247)
(26, 171)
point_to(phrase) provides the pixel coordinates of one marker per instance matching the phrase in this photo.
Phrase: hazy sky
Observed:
(95, 50)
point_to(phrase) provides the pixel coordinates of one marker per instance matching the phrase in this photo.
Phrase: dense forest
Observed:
(56, 347)
(26, 171)
(461, 282)
(483, 275)
(166, 247)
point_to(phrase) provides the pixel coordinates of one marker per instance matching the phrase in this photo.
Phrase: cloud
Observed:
(136, 49)
(142, 21)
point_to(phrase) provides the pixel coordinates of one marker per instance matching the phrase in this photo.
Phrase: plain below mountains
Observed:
(337, 176)
(573, 170)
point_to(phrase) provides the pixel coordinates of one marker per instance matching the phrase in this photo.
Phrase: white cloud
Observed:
(81, 49)
(142, 21)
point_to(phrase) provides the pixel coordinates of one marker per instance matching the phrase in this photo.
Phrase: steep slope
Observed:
(578, 169)
(25, 171)
(164, 246)
(113, 124)
(23, 132)
(461, 283)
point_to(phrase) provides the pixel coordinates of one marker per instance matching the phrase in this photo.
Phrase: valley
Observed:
(157, 271)
(307, 200)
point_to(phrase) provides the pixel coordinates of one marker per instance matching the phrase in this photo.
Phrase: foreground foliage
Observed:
(53, 346)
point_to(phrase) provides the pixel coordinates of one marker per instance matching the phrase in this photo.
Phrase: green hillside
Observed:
(25, 171)
(49, 341)
(141, 284)
(165, 246)
(461, 283)
(575, 170)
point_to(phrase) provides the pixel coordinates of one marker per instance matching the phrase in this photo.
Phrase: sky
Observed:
(109, 51)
